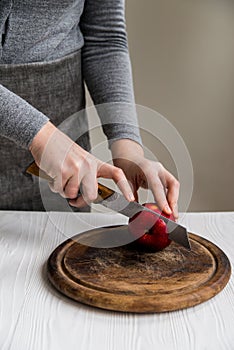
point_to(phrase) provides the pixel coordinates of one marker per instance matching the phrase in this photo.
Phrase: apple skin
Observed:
(150, 235)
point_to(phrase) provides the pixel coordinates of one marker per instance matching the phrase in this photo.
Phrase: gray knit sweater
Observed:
(41, 31)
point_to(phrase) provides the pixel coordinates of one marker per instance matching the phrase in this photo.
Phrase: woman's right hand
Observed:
(69, 166)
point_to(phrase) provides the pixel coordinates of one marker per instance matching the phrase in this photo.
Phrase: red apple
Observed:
(150, 232)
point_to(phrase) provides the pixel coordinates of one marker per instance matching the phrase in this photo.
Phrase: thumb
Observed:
(109, 171)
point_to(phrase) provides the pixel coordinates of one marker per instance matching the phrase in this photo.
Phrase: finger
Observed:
(66, 183)
(111, 172)
(173, 188)
(86, 197)
(158, 191)
(71, 187)
(76, 173)
(56, 185)
(172, 203)
(89, 191)
(134, 188)
(175, 212)
(89, 187)
(79, 202)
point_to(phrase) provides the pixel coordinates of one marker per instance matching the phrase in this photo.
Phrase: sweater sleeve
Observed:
(107, 68)
(19, 121)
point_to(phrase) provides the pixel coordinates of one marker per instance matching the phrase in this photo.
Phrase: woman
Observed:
(48, 50)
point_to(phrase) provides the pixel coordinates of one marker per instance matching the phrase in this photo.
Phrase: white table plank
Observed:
(34, 316)
(20, 237)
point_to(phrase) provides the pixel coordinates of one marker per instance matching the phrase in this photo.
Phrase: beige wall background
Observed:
(182, 54)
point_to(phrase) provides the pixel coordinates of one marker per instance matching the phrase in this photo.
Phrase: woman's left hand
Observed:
(141, 172)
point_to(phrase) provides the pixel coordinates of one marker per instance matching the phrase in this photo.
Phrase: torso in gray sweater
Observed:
(40, 31)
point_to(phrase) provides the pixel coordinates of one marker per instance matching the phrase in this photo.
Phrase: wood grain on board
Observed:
(33, 315)
(125, 279)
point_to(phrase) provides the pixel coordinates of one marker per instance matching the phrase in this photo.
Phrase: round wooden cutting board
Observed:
(126, 279)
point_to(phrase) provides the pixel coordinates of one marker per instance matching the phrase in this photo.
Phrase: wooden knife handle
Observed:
(103, 191)
(33, 169)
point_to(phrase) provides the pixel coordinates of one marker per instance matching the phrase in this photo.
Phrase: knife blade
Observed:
(117, 202)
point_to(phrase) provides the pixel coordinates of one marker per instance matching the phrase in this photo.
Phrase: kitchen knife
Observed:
(117, 202)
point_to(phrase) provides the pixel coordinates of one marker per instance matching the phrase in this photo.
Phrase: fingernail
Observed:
(168, 209)
(131, 197)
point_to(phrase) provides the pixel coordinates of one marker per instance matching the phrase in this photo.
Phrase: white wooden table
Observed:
(34, 316)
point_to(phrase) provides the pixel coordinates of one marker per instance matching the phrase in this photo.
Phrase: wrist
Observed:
(40, 139)
(126, 149)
